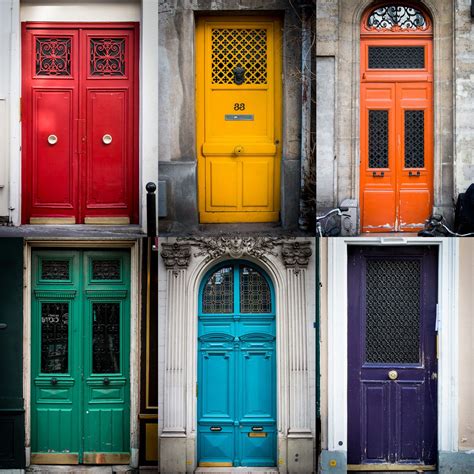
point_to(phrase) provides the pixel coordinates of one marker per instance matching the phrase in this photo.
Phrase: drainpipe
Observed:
(306, 46)
(318, 348)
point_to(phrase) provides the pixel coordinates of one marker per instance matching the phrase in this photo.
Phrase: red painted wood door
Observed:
(80, 123)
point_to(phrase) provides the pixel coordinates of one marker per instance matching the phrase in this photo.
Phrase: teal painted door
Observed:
(80, 357)
(236, 368)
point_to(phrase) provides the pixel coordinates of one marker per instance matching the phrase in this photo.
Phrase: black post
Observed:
(472, 8)
(151, 209)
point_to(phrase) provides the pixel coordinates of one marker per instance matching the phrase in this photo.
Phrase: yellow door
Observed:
(238, 119)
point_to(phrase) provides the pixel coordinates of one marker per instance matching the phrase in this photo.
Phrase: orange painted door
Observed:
(396, 156)
(396, 139)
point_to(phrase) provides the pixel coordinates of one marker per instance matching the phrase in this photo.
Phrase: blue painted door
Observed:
(392, 378)
(236, 368)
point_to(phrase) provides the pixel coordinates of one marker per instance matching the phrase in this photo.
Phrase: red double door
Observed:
(80, 123)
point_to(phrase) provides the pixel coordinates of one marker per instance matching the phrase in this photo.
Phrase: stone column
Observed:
(296, 256)
(176, 258)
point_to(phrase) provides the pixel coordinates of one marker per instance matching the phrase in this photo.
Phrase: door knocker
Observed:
(239, 75)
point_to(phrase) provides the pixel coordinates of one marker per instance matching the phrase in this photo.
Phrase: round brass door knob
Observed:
(238, 150)
(393, 375)
(52, 139)
(107, 139)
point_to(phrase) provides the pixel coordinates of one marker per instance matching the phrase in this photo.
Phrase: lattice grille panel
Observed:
(55, 270)
(414, 138)
(106, 270)
(393, 311)
(396, 57)
(107, 57)
(218, 294)
(244, 48)
(54, 337)
(53, 57)
(378, 138)
(105, 338)
(255, 295)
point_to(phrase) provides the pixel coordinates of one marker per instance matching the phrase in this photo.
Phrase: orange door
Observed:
(396, 139)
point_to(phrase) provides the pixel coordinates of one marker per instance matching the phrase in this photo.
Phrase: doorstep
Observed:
(239, 470)
(80, 469)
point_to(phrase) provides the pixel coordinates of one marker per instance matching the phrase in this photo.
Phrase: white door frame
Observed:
(448, 383)
(135, 311)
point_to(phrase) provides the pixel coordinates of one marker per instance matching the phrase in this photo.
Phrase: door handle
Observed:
(238, 150)
(3, 325)
(375, 175)
(411, 173)
(52, 139)
(393, 375)
(216, 428)
(54, 381)
(106, 381)
(107, 139)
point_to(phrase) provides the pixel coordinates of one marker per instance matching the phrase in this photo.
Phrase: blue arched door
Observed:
(236, 367)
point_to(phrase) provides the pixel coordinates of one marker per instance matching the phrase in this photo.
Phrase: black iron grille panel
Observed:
(54, 337)
(396, 57)
(55, 270)
(218, 294)
(378, 138)
(106, 269)
(255, 295)
(105, 338)
(393, 311)
(414, 138)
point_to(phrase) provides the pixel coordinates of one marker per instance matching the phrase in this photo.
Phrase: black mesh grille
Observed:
(106, 270)
(396, 57)
(255, 296)
(393, 311)
(378, 138)
(414, 139)
(218, 294)
(55, 270)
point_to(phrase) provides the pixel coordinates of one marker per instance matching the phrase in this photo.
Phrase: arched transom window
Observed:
(236, 288)
(397, 18)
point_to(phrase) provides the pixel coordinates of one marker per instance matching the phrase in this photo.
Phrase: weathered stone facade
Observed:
(338, 90)
(177, 105)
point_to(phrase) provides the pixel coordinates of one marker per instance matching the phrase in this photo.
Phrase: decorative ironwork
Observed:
(218, 294)
(414, 138)
(54, 337)
(105, 338)
(255, 294)
(53, 56)
(378, 138)
(397, 17)
(393, 311)
(55, 270)
(106, 269)
(107, 56)
(239, 56)
(396, 57)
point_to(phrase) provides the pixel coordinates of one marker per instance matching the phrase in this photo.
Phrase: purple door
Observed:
(392, 366)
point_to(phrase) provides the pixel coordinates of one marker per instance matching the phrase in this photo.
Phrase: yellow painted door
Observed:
(238, 119)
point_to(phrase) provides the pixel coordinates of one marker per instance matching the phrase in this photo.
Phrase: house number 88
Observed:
(238, 106)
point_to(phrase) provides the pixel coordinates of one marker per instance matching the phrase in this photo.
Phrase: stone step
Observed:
(238, 470)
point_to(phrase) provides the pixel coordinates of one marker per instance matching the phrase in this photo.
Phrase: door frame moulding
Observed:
(447, 317)
(135, 311)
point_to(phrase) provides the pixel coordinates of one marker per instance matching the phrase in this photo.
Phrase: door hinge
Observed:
(438, 319)
(196, 389)
(21, 109)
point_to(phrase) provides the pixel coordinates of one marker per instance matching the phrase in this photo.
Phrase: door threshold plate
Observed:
(390, 467)
(106, 458)
(52, 220)
(107, 220)
(54, 458)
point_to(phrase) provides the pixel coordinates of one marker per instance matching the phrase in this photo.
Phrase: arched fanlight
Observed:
(397, 17)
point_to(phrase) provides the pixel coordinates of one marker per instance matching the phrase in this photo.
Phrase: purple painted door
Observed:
(392, 366)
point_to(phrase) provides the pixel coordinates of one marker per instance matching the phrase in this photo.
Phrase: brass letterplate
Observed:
(257, 435)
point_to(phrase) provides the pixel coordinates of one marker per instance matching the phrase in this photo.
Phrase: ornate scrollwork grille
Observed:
(244, 48)
(107, 57)
(397, 17)
(218, 294)
(55, 270)
(54, 337)
(105, 338)
(393, 311)
(106, 269)
(414, 138)
(53, 57)
(378, 138)
(255, 295)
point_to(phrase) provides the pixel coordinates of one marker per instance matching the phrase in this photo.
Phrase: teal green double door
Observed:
(80, 357)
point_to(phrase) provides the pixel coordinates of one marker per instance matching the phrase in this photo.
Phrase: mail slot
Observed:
(216, 428)
(257, 428)
(257, 435)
